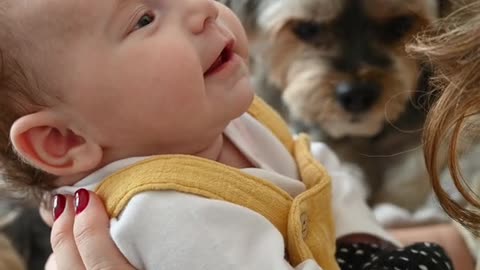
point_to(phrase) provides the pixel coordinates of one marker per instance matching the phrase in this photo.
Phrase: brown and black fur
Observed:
(338, 69)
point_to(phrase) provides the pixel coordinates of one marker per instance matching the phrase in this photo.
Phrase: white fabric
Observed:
(172, 230)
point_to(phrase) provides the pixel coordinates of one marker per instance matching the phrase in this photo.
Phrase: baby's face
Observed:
(147, 76)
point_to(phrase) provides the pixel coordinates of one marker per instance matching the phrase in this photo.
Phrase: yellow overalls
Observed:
(306, 221)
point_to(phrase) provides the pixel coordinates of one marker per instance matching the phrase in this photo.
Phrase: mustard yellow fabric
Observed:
(306, 221)
(273, 121)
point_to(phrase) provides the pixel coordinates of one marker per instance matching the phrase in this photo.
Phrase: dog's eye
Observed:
(396, 28)
(307, 30)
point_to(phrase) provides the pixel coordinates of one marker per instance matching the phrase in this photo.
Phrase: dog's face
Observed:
(341, 64)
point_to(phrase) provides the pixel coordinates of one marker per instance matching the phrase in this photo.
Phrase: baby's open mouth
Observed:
(222, 59)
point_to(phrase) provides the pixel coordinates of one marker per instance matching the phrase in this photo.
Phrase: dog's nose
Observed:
(357, 97)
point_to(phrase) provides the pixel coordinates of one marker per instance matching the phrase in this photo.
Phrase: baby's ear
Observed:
(47, 143)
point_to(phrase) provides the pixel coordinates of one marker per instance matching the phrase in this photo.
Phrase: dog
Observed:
(338, 70)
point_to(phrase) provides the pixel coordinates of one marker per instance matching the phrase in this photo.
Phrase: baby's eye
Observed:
(145, 20)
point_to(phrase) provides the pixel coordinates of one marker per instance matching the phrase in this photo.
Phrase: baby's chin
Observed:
(240, 101)
(248, 95)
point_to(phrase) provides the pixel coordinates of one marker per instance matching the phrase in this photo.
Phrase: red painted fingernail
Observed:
(59, 202)
(81, 200)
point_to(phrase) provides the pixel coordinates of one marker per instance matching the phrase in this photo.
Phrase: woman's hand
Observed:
(82, 241)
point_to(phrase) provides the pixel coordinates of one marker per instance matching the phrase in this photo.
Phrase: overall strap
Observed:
(273, 121)
(197, 176)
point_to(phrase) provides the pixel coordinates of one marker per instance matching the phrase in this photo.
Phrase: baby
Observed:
(148, 103)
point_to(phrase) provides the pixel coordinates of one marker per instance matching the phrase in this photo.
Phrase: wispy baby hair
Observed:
(18, 97)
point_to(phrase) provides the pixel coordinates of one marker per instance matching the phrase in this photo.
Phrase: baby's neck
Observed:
(221, 150)
(232, 156)
(224, 151)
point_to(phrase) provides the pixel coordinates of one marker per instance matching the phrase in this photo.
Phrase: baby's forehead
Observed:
(51, 20)
(43, 33)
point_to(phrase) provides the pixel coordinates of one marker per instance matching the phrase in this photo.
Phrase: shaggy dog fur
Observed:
(338, 69)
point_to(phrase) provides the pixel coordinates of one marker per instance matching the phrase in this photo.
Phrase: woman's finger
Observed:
(92, 234)
(51, 264)
(62, 239)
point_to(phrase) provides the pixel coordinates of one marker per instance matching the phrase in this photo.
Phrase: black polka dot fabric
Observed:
(420, 256)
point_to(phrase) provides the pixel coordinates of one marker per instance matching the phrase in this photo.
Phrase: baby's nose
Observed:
(198, 13)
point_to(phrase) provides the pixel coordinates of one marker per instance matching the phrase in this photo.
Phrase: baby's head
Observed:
(85, 83)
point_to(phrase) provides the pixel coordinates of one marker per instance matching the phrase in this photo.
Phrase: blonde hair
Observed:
(453, 49)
